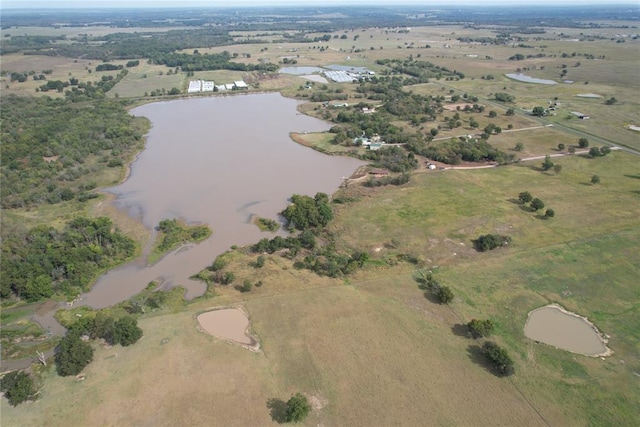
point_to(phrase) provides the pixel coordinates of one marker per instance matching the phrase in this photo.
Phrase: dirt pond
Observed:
(553, 325)
(229, 324)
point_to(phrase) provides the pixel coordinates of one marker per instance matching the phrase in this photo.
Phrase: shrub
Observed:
(73, 355)
(18, 387)
(487, 242)
(480, 328)
(297, 409)
(444, 294)
(499, 358)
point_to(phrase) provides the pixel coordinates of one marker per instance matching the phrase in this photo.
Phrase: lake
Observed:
(216, 161)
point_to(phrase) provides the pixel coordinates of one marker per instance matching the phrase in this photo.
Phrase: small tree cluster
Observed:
(18, 387)
(599, 152)
(480, 328)
(487, 242)
(547, 164)
(444, 294)
(499, 358)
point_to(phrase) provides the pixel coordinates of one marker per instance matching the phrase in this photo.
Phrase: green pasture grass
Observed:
(537, 142)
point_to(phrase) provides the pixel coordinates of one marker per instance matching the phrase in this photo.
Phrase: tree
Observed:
(538, 111)
(260, 261)
(611, 101)
(493, 114)
(18, 387)
(572, 150)
(549, 214)
(444, 294)
(557, 169)
(480, 328)
(536, 204)
(297, 409)
(73, 355)
(583, 143)
(510, 112)
(525, 197)
(547, 164)
(487, 242)
(604, 150)
(561, 147)
(519, 146)
(595, 179)
(126, 331)
(594, 152)
(499, 358)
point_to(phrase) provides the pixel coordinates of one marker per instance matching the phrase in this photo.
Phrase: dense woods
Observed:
(43, 261)
(48, 145)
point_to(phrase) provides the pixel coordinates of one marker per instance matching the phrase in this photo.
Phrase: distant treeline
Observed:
(207, 61)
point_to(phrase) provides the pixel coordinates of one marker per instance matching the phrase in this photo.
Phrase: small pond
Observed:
(560, 328)
(528, 79)
(298, 71)
(229, 324)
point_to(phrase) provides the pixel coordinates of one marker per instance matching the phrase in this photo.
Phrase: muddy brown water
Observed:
(228, 323)
(216, 161)
(565, 330)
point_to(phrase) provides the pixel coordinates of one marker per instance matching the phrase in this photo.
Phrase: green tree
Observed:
(297, 409)
(499, 358)
(38, 288)
(18, 387)
(572, 150)
(444, 294)
(561, 147)
(260, 261)
(493, 114)
(525, 197)
(604, 150)
(510, 112)
(594, 152)
(583, 143)
(480, 328)
(549, 214)
(487, 242)
(73, 355)
(126, 331)
(611, 101)
(557, 169)
(536, 204)
(595, 179)
(547, 164)
(538, 111)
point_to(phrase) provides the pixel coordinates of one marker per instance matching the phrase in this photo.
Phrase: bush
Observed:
(18, 387)
(536, 204)
(487, 242)
(126, 331)
(444, 294)
(73, 355)
(499, 358)
(480, 328)
(297, 409)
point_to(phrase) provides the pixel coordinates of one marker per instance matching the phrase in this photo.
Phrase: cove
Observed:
(216, 161)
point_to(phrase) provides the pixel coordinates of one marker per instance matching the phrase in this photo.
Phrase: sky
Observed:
(40, 4)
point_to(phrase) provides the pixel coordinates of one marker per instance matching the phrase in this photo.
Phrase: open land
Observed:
(372, 348)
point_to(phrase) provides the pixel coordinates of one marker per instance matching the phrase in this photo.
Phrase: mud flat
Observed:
(228, 324)
(553, 325)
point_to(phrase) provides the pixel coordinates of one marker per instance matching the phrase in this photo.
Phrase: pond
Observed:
(299, 71)
(563, 329)
(217, 161)
(528, 79)
(229, 324)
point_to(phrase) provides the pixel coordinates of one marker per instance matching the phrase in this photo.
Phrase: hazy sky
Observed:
(236, 3)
